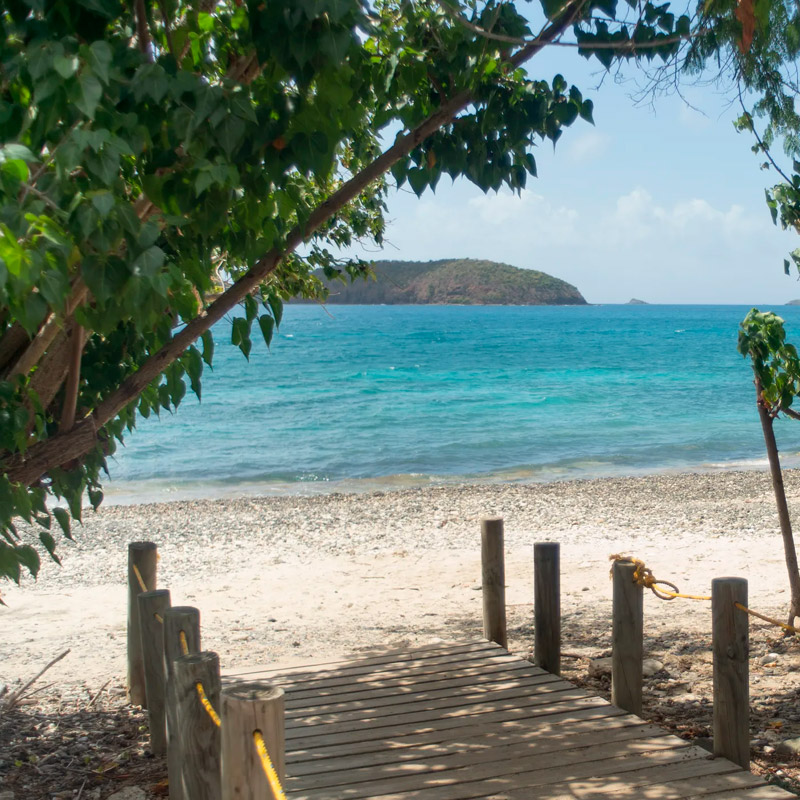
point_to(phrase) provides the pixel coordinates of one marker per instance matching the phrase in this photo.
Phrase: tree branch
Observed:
(142, 31)
(48, 332)
(30, 466)
(77, 341)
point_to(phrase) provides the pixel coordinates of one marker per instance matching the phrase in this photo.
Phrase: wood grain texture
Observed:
(199, 735)
(547, 606)
(152, 607)
(143, 556)
(627, 639)
(731, 650)
(249, 707)
(177, 619)
(494, 581)
(519, 734)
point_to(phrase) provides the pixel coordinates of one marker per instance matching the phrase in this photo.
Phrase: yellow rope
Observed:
(207, 704)
(139, 578)
(184, 644)
(643, 576)
(269, 770)
(772, 620)
(159, 618)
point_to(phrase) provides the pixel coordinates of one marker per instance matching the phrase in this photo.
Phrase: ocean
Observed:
(354, 398)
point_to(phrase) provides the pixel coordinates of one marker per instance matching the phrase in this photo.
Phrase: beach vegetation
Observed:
(165, 164)
(776, 370)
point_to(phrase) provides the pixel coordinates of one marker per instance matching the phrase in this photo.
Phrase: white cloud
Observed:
(532, 211)
(588, 146)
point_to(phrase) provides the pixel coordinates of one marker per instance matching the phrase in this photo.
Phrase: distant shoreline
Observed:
(163, 491)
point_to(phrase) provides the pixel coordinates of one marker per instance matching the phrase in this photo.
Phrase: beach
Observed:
(292, 580)
(308, 578)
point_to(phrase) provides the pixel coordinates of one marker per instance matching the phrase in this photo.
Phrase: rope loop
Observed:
(644, 577)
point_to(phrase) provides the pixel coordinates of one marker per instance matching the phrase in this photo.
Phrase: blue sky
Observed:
(660, 202)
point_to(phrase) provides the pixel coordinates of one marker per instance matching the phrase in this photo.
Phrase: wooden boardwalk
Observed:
(467, 721)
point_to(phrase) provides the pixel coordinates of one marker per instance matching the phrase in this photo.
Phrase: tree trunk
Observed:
(767, 421)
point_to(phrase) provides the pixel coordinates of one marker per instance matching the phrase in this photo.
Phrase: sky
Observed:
(662, 201)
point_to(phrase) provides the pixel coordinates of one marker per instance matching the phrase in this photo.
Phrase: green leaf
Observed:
(62, 517)
(240, 336)
(29, 558)
(267, 325)
(276, 307)
(148, 263)
(46, 538)
(91, 90)
(208, 347)
(101, 58)
(103, 201)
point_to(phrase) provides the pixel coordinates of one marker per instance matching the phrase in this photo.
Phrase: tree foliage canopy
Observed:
(162, 163)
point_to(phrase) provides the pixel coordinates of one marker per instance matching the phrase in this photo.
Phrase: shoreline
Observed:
(164, 490)
(302, 579)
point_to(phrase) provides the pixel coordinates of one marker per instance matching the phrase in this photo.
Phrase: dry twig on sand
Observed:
(15, 697)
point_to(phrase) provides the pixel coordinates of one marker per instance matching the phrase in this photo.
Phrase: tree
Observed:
(776, 369)
(164, 162)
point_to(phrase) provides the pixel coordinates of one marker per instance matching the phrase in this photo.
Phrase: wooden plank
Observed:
(479, 741)
(401, 686)
(432, 716)
(404, 695)
(733, 784)
(602, 716)
(400, 707)
(312, 740)
(389, 656)
(688, 760)
(487, 763)
(358, 673)
(765, 792)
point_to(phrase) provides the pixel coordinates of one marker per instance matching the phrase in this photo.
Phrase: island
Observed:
(793, 303)
(462, 281)
(635, 302)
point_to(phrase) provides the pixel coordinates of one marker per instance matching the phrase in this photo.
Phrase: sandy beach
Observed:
(304, 578)
(291, 580)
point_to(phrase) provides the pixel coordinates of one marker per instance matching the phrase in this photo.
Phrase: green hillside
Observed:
(463, 281)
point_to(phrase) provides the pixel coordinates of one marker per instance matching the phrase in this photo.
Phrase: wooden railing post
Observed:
(198, 732)
(152, 607)
(494, 581)
(627, 639)
(176, 620)
(142, 559)
(730, 643)
(247, 708)
(547, 606)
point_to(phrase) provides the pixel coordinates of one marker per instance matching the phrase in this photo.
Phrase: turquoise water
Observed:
(375, 396)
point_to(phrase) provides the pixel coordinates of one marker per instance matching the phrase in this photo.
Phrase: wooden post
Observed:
(152, 606)
(177, 619)
(198, 732)
(627, 639)
(547, 606)
(142, 557)
(730, 643)
(249, 707)
(494, 581)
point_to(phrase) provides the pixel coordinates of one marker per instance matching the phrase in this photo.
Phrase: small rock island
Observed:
(636, 302)
(463, 281)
